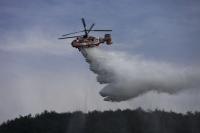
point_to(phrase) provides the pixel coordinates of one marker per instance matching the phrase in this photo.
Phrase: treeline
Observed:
(126, 121)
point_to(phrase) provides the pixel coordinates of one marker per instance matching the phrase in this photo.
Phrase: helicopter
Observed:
(87, 41)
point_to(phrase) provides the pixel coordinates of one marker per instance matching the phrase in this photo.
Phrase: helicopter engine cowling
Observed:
(108, 39)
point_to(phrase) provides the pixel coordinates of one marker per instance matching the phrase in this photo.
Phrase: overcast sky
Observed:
(40, 72)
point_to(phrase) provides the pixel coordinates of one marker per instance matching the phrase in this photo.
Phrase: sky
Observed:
(39, 72)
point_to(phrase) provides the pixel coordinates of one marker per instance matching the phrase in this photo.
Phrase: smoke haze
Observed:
(126, 76)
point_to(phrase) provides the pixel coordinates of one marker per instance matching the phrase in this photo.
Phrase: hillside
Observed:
(127, 121)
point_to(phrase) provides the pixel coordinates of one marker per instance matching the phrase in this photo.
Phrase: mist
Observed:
(129, 76)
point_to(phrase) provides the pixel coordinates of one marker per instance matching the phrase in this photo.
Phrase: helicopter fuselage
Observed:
(91, 41)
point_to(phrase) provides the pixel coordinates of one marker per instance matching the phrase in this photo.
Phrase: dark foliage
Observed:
(127, 121)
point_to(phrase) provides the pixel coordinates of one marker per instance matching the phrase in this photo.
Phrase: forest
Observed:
(119, 121)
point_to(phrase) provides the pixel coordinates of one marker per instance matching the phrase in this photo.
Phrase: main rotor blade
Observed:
(84, 25)
(90, 28)
(73, 33)
(83, 21)
(101, 30)
(68, 37)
